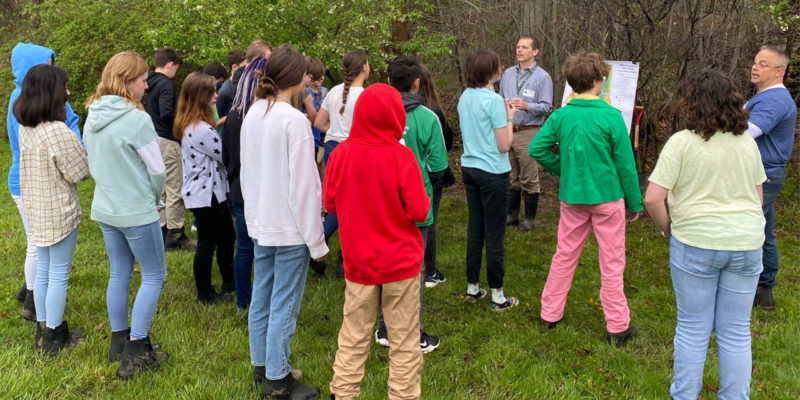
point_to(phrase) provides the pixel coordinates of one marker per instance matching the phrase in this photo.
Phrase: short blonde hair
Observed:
(119, 70)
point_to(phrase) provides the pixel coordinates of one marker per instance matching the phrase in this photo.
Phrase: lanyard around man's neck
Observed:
(526, 76)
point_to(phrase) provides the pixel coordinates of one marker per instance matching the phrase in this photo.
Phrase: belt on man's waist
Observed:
(518, 128)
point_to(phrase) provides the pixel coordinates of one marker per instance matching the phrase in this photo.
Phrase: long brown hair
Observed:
(119, 70)
(284, 69)
(353, 63)
(710, 104)
(428, 90)
(194, 102)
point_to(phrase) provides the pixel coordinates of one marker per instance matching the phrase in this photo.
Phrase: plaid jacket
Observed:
(52, 163)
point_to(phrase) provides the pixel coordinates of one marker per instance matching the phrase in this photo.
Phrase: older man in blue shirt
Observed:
(773, 116)
(529, 89)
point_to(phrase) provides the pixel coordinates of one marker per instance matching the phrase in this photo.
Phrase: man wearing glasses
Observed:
(773, 116)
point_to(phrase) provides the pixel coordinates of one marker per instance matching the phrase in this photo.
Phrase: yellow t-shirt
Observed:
(712, 198)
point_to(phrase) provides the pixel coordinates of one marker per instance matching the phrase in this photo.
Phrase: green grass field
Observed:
(484, 355)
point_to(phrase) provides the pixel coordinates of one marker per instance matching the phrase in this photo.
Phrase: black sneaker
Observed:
(619, 339)
(381, 337)
(434, 279)
(428, 343)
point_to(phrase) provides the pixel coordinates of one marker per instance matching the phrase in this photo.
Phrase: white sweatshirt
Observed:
(280, 183)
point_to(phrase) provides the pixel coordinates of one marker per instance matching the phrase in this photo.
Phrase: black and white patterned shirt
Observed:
(203, 170)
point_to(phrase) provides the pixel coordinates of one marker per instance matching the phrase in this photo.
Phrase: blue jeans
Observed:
(772, 188)
(714, 290)
(243, 261)
(331, 222)
(52, 279)
(146, 244)
(278, 284)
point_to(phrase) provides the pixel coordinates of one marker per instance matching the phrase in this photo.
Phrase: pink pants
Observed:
(608, 222)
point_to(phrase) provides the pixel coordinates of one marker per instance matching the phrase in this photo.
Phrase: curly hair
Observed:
(710, 104)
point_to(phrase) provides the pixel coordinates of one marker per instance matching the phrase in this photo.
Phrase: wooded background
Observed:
(669, 38)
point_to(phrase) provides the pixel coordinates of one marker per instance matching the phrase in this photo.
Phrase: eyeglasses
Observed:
(320, 79)
(762, 65)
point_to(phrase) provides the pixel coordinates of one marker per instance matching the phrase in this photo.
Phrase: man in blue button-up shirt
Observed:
(529, 89)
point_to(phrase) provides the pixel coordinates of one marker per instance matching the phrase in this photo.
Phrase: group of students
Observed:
(381, 190)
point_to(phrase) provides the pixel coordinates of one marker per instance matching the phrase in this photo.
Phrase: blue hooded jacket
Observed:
(23, 57)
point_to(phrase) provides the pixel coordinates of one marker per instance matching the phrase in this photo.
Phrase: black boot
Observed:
(139, 355)
(118, 340)
(764, 299)
(513, 207)
(20, 296)
(29, 307)
(176, 239)
(288, 388)
(59, 338)
(260, 375)
(38, 341)
(531, 204)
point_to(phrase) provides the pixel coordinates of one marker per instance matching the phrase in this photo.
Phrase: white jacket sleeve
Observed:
(305, 191)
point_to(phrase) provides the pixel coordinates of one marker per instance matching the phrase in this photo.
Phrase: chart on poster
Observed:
(619, 89)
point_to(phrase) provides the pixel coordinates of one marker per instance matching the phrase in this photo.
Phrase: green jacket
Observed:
(424, 137)
(596, 159)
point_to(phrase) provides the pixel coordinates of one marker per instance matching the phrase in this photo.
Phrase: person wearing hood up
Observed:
(129, 174)
(423, 135)
(23, 57)
(374, 184)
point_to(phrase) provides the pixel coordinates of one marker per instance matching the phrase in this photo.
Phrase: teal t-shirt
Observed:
(480, 112)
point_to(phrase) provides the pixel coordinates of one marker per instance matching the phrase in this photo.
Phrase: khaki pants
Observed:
(401, 305)
(524, 169)
(173, 214)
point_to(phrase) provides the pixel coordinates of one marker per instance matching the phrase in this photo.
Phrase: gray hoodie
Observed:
(125, 162)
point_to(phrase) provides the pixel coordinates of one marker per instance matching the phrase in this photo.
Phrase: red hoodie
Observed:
(374, 185)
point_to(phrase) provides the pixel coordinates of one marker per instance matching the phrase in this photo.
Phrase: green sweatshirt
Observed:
(596, 159)
(424, 137)
(125, 162)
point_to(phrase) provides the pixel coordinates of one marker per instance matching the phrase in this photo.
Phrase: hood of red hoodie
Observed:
(379, 116)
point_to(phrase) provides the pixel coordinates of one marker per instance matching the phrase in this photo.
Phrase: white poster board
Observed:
(619, 90)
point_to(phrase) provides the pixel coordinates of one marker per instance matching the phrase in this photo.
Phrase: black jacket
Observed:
(160, 104)
(227, 93)
(231, 137)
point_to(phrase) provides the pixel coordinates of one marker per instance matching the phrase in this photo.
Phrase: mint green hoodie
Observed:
(125, 162)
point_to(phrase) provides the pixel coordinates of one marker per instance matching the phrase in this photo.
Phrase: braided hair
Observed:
(246, 89)
(352, 63)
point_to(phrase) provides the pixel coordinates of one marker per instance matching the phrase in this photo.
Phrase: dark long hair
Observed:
(710, 104)
(44, 94)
